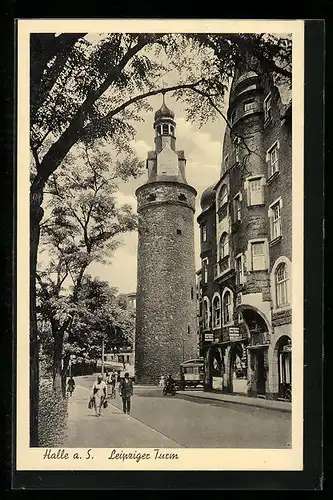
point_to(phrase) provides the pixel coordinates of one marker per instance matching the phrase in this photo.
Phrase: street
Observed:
(173, 422)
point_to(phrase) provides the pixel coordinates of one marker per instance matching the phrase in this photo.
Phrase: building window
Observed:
(275, 219)
(258, 255)
(239, 270)
(226, 160)
(151, 197)
(159, 129)
(192, 293)
(281, 280)
(272, 159)
(267, 108)
(224, 246)
(205, 313)
(249, 105)
(205, 270)
(182, 197)
(216, 312)
(255, 191)
(281, 283)
(204, 232)
(179, 231)
(172, 130)
(236, 142)
(227, 308)
(223, 195)
(237, 207)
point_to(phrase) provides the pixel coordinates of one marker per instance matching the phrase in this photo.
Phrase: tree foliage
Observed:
(82, 226)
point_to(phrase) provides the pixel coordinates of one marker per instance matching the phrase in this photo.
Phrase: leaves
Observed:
(82, 222)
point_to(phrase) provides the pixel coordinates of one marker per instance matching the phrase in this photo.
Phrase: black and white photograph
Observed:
(160, 177)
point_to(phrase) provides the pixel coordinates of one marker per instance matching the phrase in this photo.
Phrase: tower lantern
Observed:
(165, 127)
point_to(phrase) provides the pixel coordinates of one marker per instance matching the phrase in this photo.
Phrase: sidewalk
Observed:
(113, 429)
(243, 400)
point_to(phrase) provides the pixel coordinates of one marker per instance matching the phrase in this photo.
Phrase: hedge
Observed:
(52, 416)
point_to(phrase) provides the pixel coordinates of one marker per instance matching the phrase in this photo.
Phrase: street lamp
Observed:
(102, 367)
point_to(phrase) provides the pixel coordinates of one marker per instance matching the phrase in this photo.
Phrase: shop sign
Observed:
(209, 337)
(234, 334)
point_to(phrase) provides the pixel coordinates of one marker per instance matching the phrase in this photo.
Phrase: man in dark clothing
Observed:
(170, 383)
(70, 386)
(126, 392)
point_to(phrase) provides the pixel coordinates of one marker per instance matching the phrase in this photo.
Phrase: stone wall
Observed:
(166, 294)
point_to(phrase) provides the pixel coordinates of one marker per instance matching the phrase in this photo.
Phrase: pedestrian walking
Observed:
(126, 392)
(99, 394)
(70, 386)
(162, 381)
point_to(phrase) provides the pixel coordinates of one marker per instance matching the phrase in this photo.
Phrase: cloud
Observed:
(141, 148)
(124, 198)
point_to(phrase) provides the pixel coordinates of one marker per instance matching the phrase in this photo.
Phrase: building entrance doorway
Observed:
(260, 372)
(258, 350)
(284, 367)
(238, 368)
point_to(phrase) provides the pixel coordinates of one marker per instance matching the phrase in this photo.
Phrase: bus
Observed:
(192, 373)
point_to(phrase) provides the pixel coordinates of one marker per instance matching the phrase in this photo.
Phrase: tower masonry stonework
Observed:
(166, 290)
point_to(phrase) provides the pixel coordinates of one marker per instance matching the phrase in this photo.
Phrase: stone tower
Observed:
(166, 291)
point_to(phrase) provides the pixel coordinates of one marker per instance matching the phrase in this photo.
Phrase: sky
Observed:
(203, 150)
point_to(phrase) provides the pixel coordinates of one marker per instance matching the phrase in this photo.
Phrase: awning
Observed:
(257, 346)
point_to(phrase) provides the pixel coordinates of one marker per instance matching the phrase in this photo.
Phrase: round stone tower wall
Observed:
(166, 292)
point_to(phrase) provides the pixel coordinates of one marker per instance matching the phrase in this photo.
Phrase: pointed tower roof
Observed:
(164, 111)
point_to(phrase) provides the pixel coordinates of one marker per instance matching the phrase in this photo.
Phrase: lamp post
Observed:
(102, 367)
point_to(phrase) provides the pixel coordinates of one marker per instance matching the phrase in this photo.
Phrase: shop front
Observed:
(237, 362)
(214, 368)
(259, 341)
(283, 353)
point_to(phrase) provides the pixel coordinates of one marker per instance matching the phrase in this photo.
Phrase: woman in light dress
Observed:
(99, 394)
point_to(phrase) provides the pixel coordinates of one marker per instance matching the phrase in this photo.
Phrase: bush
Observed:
(52, 416)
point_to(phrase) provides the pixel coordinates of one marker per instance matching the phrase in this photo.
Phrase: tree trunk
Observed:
(36, 215)
(57, 358)
(64, 374)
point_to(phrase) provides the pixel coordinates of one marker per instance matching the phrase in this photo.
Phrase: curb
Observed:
(246, 403)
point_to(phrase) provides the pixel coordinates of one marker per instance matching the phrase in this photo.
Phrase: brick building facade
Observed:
(246, 237)
(166, 328)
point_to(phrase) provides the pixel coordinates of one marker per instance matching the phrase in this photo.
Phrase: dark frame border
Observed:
(311, 478)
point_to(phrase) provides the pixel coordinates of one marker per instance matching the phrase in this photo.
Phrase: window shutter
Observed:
(265, 256)
(258, 262)
(262, 191)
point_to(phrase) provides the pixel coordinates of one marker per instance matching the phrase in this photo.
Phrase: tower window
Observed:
(172, 130)
(192, 293)
(165, 128)
(151, 197)
(268, 107)
(249, 105)
(182, 197)
(159, 129)
(179, 231)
